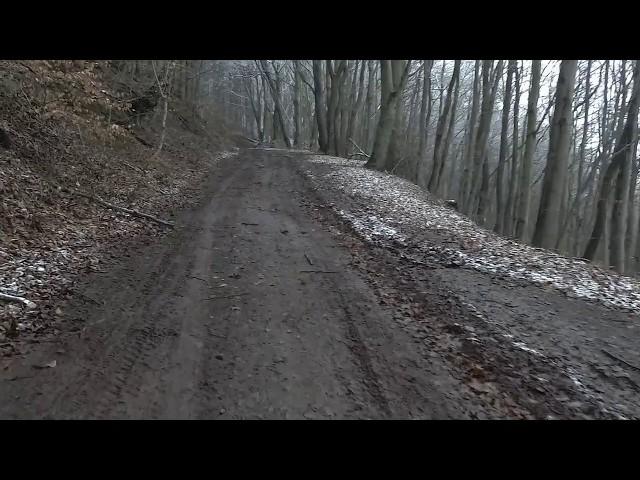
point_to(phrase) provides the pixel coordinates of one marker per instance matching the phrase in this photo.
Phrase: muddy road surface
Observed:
(262, 305)
(248, 310)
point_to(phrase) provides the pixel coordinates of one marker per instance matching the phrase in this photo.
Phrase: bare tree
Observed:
(394, 76)
(441, 141)
(275, 94)
(425, 115)
(548, 221)
(504, 141)
(509, 212)
(615, 172)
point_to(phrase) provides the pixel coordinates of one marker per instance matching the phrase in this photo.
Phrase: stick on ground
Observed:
(135, 213)
(609, 354)
(227, 296)
(12, 298)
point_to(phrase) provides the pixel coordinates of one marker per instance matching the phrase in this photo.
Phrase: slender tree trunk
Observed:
(297, 130)
(348, 93)
(266, 110)
(513, 180)
(425, 116)
(320, 106)
(337, 78)
(582, 156)
(370, 101)
(524, 199)
(504, 145)
(632, 230)
(483, 199)
(441, 87)
(439, 149)
(465, 183)
(413, 108)
(620, 210)
(442, 189)
(480, 181)
(355, 109)
(254, 101)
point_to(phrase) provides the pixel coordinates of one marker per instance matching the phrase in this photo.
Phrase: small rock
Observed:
(219, 356)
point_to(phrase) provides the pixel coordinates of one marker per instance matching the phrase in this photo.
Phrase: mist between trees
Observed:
(541, 151)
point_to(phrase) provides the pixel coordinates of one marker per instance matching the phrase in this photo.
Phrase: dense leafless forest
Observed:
(300, 239)
(542, 151)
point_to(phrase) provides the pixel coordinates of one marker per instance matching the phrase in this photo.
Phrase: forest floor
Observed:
(287, 292)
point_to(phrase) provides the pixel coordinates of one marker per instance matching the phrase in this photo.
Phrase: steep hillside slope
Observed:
(70, 137)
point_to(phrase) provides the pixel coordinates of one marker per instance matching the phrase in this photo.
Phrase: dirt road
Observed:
(247, 310)
(261, 304)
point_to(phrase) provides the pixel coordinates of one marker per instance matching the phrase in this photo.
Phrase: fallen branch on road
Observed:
(12, 298)
(133, 167)
(317, 271)
(609, 354)
(197, 278)
(227, 296)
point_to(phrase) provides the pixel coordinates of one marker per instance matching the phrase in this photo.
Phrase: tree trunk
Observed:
(582, 156)
(504, 144)
(413, 107)
(479, 182)
(483, 199)
(524, 199)
(320, 106)
(513, 180)
(620, 210)
(337, 77)
(346, 108)
(392, 154)
(632, 230)
(621, 158)
(297, 127)
(355, 109)
(394, 76)
(425, 115)
(442, 141)
(548, 220)
(439, 148)
(442, 189)
(465, 183)
(275, 94)
(370, 101)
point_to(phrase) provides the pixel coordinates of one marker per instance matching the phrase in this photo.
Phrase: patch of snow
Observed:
(523, 346)
(395, 208)
(371, 226)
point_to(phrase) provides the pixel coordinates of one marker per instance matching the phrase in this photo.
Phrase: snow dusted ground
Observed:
(398, 210)
(576, 324)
